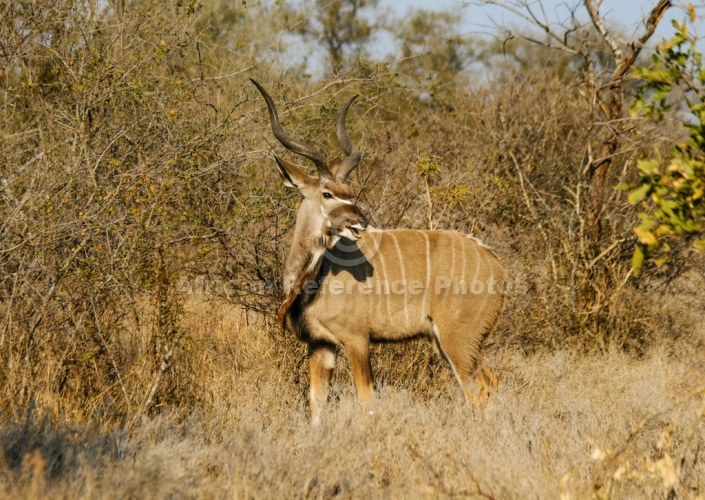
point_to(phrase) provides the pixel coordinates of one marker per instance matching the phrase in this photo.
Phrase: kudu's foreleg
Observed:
(321, 358)
(358, 353)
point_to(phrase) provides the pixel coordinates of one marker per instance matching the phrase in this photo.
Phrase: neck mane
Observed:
(303, 263)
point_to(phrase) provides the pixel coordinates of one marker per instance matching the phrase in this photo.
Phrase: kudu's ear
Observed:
(292, 175)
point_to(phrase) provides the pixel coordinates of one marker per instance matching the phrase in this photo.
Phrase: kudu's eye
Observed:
(327, 196)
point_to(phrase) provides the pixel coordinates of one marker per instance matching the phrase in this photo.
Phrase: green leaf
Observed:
(637, 106)
(639, 193)
(648, 166)
(647, 222)
(661, 94)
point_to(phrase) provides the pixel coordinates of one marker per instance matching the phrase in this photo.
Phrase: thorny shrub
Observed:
(119, 174)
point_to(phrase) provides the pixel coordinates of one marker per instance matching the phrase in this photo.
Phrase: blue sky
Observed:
(625, 15)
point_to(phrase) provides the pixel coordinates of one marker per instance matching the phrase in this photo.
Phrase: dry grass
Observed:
(248, 435)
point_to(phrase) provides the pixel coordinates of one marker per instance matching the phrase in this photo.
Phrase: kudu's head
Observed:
(328, 207)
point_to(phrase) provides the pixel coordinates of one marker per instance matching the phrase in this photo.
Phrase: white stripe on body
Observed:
(485, 295)
(428, 276)
(462, 273)
(452, 268)
(477, 267)
(403, 276)
(384, 285)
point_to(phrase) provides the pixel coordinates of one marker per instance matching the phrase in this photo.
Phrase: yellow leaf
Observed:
(638, 259)
(700, 245)
(661, 261)
(645, 237)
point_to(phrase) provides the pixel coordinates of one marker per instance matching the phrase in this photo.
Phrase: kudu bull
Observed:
(348, 285)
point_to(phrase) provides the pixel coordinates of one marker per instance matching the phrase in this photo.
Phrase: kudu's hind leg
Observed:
(321, 359)
(488, 377)
(487, 382)
(463, 353)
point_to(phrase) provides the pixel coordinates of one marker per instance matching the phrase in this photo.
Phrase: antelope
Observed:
(348, 285)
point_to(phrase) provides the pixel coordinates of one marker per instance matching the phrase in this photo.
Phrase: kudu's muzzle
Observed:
(347, 222)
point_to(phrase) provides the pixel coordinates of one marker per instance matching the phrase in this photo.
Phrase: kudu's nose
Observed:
(362, 222)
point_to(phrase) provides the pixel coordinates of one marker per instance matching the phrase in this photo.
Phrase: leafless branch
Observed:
(600, 27)
(634, 48)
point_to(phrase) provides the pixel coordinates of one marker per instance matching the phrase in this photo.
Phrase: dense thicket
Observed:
(135, 172)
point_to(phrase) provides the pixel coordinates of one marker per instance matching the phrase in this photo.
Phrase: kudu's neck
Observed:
(306, 249)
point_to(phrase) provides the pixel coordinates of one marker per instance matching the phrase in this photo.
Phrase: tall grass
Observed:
(560, 423)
